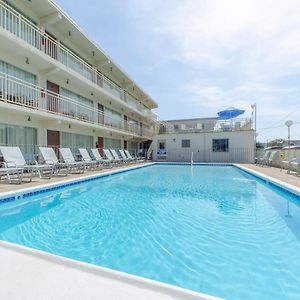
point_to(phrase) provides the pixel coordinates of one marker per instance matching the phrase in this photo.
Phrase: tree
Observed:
(259, 146)
(277, 142)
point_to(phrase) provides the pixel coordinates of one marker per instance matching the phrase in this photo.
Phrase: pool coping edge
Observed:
(14, 195)
(131, 280)
(277, 182)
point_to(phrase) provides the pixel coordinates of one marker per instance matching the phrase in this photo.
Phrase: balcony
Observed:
(14, 22)
(21, 93)
(236, 124)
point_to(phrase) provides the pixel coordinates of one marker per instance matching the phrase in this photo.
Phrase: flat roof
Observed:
(192, 119)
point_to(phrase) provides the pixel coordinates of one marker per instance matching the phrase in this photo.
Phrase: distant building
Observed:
(205, 140)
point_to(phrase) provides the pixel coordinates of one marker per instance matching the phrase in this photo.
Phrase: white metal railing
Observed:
(17, 24)
(235, 124)
(17, 91)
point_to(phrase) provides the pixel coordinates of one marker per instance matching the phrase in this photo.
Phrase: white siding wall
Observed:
(241, 147)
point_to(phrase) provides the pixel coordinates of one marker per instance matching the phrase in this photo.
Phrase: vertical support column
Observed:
(42, 136)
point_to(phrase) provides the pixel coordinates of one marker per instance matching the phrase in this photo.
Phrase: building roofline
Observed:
(98, 48)
(192, 119)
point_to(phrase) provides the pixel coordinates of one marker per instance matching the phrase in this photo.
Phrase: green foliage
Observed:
(259, 146)
(277, 142)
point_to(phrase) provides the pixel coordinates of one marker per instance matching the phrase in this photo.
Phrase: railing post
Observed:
(5, 88)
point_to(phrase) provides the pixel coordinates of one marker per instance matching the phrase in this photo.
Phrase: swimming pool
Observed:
(213, 229)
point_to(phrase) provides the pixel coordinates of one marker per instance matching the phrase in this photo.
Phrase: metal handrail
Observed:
(16, 23)
(17, 91)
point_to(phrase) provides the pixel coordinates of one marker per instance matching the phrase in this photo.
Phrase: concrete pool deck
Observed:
(276, 173)
(36, 181)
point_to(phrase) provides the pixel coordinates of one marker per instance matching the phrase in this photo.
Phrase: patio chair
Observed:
(110, 157)
(50, 158)
(124, 157)
(12, 175)
(67, 156)
(264, 159)
(271, 157)
(116, 156)
(86, 158)
(99, 159)
(13, 157)
(296, 164)
(129, 156)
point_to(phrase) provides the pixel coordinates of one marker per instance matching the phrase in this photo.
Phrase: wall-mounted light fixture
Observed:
(93, 53)
(93, 130)
(92, 94)
(29, 119)
(70, 33)
(174, 140)
(69, 126)
(67, 82)
(27, 61)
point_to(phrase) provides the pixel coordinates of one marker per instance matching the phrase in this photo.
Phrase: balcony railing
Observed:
(236, 124)
(17, 24)
(19, 92)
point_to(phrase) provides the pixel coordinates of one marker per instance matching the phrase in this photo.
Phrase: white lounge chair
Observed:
(67, 156)
(264, 159)
(271, 157)
(110, 157)
(13, 157)
(296, 165)
(88, 160)
(116, 156)
(99, 159)
(129, 155)
(137, 159)
(12, 175)
(124, 157)
(50, 158)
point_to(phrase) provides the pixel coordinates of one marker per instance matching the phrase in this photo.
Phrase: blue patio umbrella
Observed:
(229, 113)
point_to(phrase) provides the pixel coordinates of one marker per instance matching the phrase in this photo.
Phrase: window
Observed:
(112, 143)
(161, 145)
(220, 145)
(186, 143)
(112, 118)
(176, 127)
(24, 137)
(74, 140)
(17, 72)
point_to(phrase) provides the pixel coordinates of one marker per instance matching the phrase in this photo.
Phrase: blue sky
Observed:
(197, 57)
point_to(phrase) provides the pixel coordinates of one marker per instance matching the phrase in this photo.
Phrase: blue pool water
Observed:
(213, 229)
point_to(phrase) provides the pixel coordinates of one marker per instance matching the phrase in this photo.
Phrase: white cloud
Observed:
(240, 52)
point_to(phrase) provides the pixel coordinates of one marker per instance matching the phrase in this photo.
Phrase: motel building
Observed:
(58, 88)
